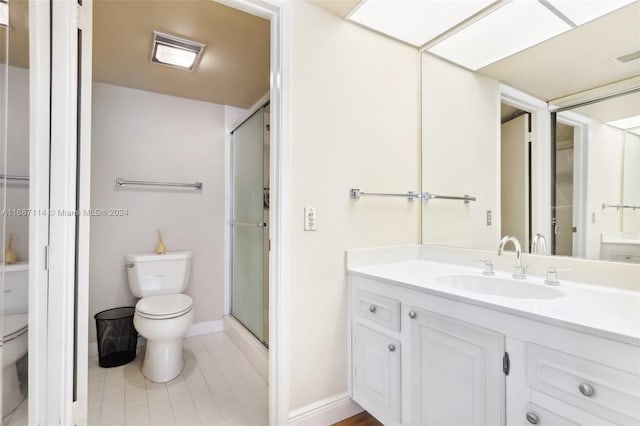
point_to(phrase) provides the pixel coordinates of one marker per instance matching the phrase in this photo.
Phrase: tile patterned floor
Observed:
(19, 417)
(218, 386)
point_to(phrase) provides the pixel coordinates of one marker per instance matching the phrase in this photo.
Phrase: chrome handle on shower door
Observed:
(258, 224)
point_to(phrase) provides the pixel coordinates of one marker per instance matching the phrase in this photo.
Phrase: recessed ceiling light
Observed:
(415, 22)
(582, 11)
(175, 51)
(626, 123)
(515, 26)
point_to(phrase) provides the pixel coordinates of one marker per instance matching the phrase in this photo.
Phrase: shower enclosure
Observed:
(250, 223)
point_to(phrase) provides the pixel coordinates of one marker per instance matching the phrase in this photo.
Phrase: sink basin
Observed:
(495, 286)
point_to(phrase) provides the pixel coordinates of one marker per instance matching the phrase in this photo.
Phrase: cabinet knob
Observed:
(412, 314)
(586, 389)
(372, 309)
(533, 418)
(391, 348)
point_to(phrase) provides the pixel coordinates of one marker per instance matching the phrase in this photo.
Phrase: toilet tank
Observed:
(16, 288)
(153, 274)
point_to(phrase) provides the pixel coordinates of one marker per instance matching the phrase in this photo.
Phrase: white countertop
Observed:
(607, 312)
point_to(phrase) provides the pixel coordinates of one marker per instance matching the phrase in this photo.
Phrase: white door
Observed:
(453, 371)
(376, 374)
(515, 179)
(64, 371)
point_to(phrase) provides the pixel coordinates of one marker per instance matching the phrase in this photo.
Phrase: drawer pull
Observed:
(391, 348)
(412, 314)
(533, 418)
(586, 389)
(372, 309)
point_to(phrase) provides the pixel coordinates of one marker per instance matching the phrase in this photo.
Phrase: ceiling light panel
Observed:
(582, 11)
(175, 51)
(417, 21)
(4, 13)
(626, 123)
(514, 27)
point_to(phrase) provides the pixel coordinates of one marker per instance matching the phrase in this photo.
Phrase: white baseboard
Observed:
(325, 412)
(256, 353)
(206, 327)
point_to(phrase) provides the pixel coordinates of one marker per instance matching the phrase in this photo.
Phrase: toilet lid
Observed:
(14, 325)
(165, 306)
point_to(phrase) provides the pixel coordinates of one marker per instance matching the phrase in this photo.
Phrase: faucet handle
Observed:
(488, 270)
(552, 275)
(520, 272)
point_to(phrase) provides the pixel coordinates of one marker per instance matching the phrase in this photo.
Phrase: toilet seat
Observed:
(164, 307)
(14, 325)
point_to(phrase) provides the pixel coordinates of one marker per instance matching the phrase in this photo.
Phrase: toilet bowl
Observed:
(14, 346)
(163, 321)
(15, 335)
(164, 313)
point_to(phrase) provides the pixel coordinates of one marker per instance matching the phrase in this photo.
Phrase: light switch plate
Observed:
(310, 223)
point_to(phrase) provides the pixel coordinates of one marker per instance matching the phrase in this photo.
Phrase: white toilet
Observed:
(164, 313)
(15, 334)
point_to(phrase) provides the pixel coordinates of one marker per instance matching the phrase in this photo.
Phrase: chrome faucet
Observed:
(519, 272)
(539, 240)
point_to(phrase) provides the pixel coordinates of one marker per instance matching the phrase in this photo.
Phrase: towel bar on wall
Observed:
(620, 206)
(120, 182)
(14, 177)
(355, 194)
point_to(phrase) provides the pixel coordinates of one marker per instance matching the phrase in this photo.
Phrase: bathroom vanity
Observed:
(436, 343)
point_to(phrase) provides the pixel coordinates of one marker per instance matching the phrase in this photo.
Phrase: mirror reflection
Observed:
(534, 137)
(15, 185)
(612, 180)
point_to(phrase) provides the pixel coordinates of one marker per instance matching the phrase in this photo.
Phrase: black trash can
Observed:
(117, 337)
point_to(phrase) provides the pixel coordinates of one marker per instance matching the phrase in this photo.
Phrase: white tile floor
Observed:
(19, 417)
(218, 386)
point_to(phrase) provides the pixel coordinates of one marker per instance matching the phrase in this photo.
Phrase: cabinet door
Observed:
(376, 373)
(453, 371)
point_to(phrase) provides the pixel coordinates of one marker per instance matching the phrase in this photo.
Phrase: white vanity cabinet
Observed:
(421, 358)
(376, 355)
(453, 371)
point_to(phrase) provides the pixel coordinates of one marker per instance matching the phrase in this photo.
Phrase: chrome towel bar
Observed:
(620, 206)
(14, 177)
(355, 194)
(120, 182)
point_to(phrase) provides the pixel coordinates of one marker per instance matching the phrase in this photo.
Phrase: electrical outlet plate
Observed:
(310, 219)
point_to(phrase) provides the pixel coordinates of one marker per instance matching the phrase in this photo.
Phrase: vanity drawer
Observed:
(378, 309)
(596, 388)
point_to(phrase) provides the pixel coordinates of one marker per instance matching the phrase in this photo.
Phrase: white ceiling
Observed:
(578, 60)
(572, 62)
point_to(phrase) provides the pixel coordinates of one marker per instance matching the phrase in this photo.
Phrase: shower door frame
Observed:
(260, 105)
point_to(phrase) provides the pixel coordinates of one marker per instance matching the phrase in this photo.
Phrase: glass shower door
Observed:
(248, 226)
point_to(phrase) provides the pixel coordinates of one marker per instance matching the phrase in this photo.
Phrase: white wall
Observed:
(355, 100)
(460, 154)
(604, 179)
(147, 136)
(631, 183)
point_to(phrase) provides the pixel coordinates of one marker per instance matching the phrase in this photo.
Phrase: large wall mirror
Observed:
(547, 141)
(14, 196)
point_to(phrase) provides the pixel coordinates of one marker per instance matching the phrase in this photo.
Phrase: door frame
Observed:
(52, 302)
(279, 15)
(581, 140)
(39, 139)
(540, 155)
